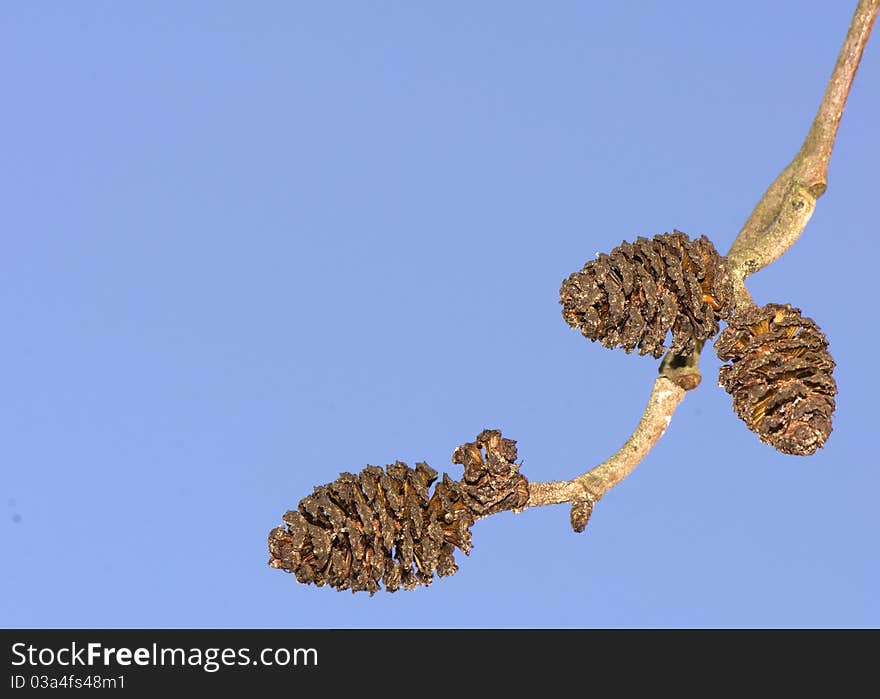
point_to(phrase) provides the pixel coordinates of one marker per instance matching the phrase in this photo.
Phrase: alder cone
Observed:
(633, 297)
(780, 376)
(383, 526)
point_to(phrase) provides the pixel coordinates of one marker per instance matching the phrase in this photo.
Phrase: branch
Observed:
(786, 207)
(677, 376)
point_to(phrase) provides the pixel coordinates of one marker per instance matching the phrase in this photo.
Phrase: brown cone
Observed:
(779, 376)
(633, 297)
(382, 526)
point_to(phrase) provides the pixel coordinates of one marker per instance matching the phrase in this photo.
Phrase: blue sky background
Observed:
(247, 247)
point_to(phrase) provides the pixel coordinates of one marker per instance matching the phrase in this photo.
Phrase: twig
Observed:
(678, 376)
(786, 207)
(664, 399)
(592, 485)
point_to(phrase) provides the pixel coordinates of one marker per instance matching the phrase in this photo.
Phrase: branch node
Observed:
(682, 369)
(817, 189)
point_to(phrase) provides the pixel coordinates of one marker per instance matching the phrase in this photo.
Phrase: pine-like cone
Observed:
(780, 376)
(383, 526)
(633, 297)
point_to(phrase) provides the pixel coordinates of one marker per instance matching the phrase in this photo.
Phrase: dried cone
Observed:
(779, 376)
(382, 526)
(633, 297)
